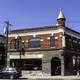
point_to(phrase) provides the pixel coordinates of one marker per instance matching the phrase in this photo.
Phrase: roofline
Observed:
(33, 29)
(41, 28)
(72, 30)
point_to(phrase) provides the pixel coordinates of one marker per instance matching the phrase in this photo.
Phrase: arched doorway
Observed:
(55, 66)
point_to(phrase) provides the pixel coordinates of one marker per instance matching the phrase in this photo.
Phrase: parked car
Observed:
(9, 72)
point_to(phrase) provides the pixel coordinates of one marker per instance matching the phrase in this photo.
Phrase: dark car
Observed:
(9, 72)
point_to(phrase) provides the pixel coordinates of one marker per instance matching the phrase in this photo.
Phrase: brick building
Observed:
(48, 50)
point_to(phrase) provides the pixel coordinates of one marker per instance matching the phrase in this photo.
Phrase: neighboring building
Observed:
(2, 51)
(48, 50)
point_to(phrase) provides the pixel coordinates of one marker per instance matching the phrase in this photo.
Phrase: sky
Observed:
(38, 13)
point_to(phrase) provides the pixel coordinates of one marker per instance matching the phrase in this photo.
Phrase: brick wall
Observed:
(58, 42)
(45, 40)
(26, 39)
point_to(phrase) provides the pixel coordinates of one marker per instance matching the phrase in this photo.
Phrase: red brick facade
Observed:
(58, 40)
(45, 40)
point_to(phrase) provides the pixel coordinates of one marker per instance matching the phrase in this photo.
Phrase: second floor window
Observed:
(52, 41)
(68, 41)
(34, 43)
(79, 44)
(16, 43)
(13, 44)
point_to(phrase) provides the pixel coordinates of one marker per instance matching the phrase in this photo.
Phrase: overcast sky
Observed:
(39, 13)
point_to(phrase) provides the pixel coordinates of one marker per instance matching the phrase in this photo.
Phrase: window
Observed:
(34, 43)
(74, 60)
(13, 44)
(74, 43)
(52, 41)
(79, 44)
(16, 43)
(68, 41)
(1, 45)
(19, 43)
(27, 64)
(32, 64)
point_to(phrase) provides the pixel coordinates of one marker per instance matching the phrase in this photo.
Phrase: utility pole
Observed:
(7, 54)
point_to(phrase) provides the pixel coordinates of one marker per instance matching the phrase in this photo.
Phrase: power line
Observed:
(73, 21)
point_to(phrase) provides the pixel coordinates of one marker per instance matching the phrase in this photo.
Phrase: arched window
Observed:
(34, 43)
(55, 66)
(74, 60)
(52, 41)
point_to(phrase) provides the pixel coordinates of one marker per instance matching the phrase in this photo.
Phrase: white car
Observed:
(8, 72)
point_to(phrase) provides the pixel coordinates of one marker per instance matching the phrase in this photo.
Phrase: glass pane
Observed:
(28, 64)
(34, 43)
(52, 41)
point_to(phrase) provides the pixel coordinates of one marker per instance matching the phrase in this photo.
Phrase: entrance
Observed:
(55, 66)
